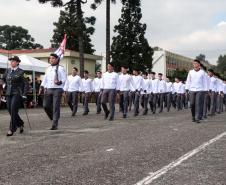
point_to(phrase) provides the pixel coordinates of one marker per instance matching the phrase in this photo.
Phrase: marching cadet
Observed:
(183, 94)
(109, 84)
(212, 92)
(124, 84)
(138, 84)
(225, 94)
(72, 86)
(197, 85)
(153, 98)
(86, 92)
(131, 95)
(161, 91)
(220, 93)
(169, 89)
(16, 89)
(96, 88)
(206, 106)
(177, 91)
(144, 92)
(53, 84)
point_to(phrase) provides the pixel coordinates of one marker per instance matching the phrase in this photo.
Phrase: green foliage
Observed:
(181, 74)
(221, 65)
(130, 47)
(68, 23)
(16, 37)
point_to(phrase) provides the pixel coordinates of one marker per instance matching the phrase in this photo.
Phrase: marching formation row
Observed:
(203, 91)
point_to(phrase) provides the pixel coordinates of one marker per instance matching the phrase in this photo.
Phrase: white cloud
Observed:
(187, 27)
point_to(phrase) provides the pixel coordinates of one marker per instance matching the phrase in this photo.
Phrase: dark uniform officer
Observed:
(16, 89)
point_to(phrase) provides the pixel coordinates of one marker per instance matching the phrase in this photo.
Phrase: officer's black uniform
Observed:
(16, 88)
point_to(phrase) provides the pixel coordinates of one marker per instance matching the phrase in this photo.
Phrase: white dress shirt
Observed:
(138, 82)
(146, 86)
(96, 84)
(220, 87)
(162, 86)
(109, 80)
(177, 87)
(49, 78)
(73, 83)
(169, 87)
(224, 88)
(196, 81)
(125, 82)
(155, 85)
(87, 85)
(213, 84)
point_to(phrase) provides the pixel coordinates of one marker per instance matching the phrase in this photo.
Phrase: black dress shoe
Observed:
(197, 121)
(106, 115)
(85, 113)
(124, 115)
(111, 119)
(193, 120)
(53, 127)
(21, 129)
(10, 133)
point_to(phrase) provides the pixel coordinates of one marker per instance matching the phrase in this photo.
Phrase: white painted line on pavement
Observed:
(155, 175)
(110, 150)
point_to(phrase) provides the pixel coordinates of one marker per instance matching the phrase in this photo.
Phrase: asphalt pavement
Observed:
(160, 149)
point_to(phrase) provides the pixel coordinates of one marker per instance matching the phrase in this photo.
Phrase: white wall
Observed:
(159, 62)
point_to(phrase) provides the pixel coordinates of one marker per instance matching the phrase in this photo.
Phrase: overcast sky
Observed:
(187, 27)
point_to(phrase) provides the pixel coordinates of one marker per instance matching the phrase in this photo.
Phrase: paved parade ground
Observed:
(160, 149)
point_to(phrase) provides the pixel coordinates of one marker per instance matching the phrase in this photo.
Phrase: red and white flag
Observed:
(60, 51)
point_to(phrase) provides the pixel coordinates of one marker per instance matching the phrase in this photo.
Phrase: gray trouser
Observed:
(131, 99)
(178, 101)
(124, 101)
(168, 100)
(206, 104)
(98, 101)
(196, 103)
(51, 104)
(144, 101)
(85, 101)
(73, 101)
(13, 104)
(219, 103)
(136, 102)
(153, 98)
(109, 95)
(213, 102)
(161, 100)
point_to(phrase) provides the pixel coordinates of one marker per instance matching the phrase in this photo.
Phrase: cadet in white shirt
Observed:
(138, 84)
(153, 97)
(177, 89)
(212, 92)
(124, 84)
(109, 84)
(144, 92)
(161, 91)
(225, 94)
(196, 84)
(53, 83)
(169, 89)
(87, 85)
(72, 86)
(96, 88)
(220, 93)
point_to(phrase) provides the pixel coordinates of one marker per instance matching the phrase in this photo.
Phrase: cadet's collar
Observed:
(14, 69)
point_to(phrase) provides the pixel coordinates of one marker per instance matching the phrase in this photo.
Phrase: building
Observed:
(70, 60)
(167, 62)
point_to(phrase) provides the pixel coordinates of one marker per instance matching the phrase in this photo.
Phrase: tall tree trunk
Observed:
(108, 35)
(80, 37)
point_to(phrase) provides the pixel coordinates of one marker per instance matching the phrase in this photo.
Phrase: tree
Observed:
(221, 65)
(68, 24)
(79, 15)
(16, 37)
(181, 74)
(202, 58)
(130, 47)
(108, 26)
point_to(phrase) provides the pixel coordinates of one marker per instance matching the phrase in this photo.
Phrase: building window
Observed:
(72, 61)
